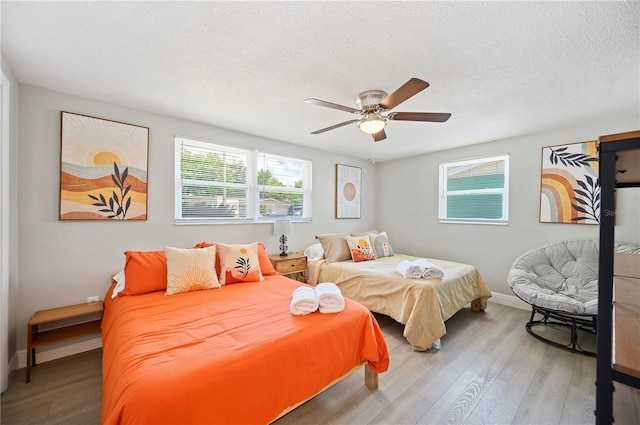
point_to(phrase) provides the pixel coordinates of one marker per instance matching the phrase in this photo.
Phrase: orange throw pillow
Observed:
(144, 272)
(206, 245)
(266, 266)
(203, 245)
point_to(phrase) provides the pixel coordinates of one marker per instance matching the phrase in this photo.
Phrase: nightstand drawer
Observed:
(294, 263)
(291, 265)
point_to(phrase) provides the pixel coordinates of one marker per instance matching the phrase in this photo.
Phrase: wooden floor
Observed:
(488, 371)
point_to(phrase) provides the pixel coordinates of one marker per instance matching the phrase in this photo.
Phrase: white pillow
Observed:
(314, 252)
(239, 263)
(190, 269)
(119, 279)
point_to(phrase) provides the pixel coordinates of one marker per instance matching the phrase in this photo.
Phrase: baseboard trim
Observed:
(13, 363)
(45, 354)
(509, 300)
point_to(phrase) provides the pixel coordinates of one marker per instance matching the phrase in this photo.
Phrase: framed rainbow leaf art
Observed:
(570, 184)
(103, 169)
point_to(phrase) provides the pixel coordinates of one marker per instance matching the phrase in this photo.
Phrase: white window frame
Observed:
(443, 194)
(253, 189)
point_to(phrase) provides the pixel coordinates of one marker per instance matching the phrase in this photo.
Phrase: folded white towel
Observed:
(408, 270)
(330, 299)
(419, 268)
(303, 301)
(429, 270)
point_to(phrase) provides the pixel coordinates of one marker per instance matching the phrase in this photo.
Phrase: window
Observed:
(217, 183)
(474, 191)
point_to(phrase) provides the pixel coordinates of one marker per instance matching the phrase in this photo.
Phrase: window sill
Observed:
(471, 221)
(205, 222)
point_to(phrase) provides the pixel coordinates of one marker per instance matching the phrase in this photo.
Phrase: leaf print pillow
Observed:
(239, 263)
(190, 269)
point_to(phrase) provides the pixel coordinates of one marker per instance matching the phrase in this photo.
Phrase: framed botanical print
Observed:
(103, 169)
(348, 191)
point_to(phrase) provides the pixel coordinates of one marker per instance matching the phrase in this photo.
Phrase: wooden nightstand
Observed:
(36, 338)
(293, 263)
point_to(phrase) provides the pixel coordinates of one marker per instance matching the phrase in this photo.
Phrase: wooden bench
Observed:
(38, 338)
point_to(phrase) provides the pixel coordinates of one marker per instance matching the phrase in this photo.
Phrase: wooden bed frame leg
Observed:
(370, 378)
(476, 305)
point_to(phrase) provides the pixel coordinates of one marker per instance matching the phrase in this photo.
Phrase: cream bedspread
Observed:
(422, 305)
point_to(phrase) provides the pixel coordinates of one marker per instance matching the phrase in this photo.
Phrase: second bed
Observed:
(422, 305)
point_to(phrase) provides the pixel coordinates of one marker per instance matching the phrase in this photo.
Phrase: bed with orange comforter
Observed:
(230, 355)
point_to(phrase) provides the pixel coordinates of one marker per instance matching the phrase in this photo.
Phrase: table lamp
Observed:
(282, 227)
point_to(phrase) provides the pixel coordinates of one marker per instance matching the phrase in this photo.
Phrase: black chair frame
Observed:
(575, 322)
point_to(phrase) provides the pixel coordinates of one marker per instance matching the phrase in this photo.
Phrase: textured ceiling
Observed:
(502, 69)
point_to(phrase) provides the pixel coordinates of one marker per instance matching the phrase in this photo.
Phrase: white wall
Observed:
(10, 287)
(64, 262)
(408, 204)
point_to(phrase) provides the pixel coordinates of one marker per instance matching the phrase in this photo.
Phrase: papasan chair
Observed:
(560, 282)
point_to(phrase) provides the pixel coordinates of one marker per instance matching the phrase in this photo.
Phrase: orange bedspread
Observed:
(229, 355)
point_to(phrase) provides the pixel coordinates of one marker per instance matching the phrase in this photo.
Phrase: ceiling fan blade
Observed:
(322, 130)
(408, 89)
(380, 135)
(419, 116)
(332, 105)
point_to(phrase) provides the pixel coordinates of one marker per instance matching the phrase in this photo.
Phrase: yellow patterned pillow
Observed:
(239, 263)
(190, 269)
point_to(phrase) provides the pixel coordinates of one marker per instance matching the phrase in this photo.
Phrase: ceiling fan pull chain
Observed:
(373, 154)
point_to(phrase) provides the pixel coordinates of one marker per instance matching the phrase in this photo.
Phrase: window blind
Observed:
(474, 190)
(224, 183)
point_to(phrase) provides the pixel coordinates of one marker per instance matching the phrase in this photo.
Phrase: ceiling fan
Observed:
(374, 106)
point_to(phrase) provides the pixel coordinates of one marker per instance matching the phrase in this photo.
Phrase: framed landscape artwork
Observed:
(348, 191)
(570, 186)
(103, 169)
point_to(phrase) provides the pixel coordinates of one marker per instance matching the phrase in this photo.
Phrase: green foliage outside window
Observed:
(266, 178)
(216, 181)
(211, 167)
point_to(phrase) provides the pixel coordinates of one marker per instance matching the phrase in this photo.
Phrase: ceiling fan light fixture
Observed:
(372, 124)
(374, 107)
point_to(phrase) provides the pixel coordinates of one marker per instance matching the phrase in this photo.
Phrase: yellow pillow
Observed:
(239, 263)
(190, 269)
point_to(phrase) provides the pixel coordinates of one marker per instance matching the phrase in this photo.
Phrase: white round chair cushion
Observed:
(561, 276)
